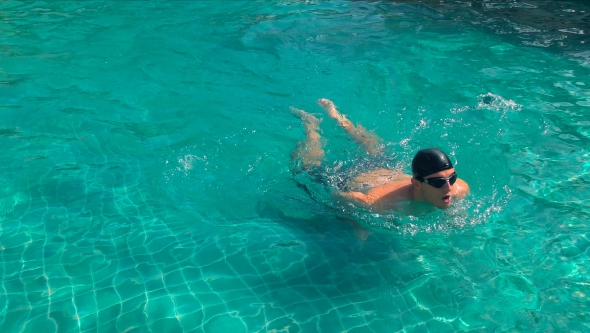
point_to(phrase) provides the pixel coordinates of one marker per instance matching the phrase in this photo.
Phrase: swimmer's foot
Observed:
(310, 121)
(330, 109)
(366, 139)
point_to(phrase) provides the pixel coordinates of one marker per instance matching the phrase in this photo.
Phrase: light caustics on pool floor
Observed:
(146, 182)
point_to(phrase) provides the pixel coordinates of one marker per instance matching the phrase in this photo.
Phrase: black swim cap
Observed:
(429, 161)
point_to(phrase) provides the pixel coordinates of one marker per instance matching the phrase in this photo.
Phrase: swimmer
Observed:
(433, 180)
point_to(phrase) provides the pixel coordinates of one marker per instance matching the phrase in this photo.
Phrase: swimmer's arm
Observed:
(392, 192)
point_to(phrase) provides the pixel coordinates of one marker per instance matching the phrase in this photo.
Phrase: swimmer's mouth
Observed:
(446, 198)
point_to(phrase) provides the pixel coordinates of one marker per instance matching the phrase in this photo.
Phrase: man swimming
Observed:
(433, 181)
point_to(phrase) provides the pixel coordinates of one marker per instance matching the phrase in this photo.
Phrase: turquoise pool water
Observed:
(146, 180)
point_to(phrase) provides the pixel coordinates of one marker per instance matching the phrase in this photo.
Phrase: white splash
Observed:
(495, 102)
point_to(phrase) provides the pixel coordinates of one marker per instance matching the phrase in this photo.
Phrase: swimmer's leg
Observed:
(309, 151)
(369, 141)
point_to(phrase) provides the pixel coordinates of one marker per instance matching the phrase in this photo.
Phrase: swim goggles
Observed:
(438, 182)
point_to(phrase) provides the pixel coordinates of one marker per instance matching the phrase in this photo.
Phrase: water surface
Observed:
(146, 180)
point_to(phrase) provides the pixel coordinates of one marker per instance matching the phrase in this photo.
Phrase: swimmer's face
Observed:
(438, 197)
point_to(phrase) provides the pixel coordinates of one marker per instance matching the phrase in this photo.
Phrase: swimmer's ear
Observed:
(415, 182)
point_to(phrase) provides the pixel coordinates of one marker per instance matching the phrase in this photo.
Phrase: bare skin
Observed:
(367, 140)
(310, 151)
(386, 188)
(388, 195)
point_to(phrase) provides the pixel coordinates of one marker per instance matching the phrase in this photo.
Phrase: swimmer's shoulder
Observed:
(461, 188)
(389, 195)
